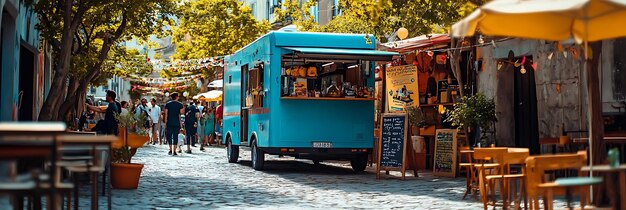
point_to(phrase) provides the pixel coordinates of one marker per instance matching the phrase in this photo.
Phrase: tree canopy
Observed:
(215, 27)
(85, 38)
(381, 17)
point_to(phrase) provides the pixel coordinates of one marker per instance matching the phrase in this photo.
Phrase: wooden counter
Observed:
(326, 98)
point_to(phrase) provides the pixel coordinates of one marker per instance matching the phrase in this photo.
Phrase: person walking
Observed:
(173, 110)
(155, 113)
(209, 125)
(191, 126)
(162, 134)
(200, 124)
(124, 107)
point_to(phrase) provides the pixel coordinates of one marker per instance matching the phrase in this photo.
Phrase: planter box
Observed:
(137, 141)
(427, 131)
(125, 176)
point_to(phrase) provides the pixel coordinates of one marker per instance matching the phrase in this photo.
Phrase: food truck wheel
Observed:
(359, 163)
(232, 151)
(258, 157)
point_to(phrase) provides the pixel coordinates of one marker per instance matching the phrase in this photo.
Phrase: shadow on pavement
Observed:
(333, 177)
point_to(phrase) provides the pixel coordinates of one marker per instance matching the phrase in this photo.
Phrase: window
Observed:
(619, 70)
(255, 85)
(253, 8)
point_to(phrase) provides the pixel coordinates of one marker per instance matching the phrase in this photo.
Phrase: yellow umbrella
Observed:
(584, 20)
(213, 95)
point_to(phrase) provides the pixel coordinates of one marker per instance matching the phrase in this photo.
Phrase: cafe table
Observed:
(617, 197)
(32, 139)
(93, 141)
(569, 183)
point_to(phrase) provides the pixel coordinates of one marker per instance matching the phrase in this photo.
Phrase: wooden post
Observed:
(594, 106)
(594, 113)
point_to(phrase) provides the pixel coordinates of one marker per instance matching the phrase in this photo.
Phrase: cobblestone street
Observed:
(205, 180)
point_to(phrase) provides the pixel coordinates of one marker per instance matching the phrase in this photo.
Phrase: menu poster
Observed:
(392, 144)
(445, 153)
(401, 87)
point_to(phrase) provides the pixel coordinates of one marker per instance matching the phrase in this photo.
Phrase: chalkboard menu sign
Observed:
(392, 144)
(445, 153)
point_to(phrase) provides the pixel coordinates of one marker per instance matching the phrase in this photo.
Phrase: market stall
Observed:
(425, 60)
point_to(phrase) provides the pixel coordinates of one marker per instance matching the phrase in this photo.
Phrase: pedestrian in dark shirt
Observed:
(109, 125)
(173, 110)
(191, 119)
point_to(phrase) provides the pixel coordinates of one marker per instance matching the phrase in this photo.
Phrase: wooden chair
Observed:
(513, 156)
(467, 163)
(487, 164)
(536, 167)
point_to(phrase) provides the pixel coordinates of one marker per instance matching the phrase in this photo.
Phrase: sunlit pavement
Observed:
(205, 180)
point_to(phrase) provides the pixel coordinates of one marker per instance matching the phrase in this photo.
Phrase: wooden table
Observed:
(568, 183)
(618, 198)
(36, 138)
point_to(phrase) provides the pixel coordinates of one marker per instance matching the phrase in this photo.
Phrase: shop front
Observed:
(426, 60)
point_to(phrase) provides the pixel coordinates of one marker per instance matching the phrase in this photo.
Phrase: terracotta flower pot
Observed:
(125, 176)
(137, 141)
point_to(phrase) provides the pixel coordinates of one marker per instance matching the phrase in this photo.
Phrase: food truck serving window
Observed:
(329, 74)
(331, 53)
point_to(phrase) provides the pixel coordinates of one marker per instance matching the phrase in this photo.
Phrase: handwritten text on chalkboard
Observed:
(392, 141)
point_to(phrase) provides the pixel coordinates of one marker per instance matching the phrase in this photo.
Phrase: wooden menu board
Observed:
(445, 153)
(392, 145)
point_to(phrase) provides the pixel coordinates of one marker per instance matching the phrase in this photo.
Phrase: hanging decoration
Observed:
(523, 69)
(188, 67)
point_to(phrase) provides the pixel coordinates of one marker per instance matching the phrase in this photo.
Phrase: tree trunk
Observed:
(55, 97)
(77, 93)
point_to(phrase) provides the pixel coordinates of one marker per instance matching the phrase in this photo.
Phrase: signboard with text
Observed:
(445, 153)
(392, 144)
(401, 87)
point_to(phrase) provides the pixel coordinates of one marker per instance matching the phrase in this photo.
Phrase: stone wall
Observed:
(554, 108)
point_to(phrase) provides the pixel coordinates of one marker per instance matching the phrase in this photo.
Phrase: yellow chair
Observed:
(487, 163)
(536, 184)
(512, 156)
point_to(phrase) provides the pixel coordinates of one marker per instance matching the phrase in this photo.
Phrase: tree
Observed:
(82, 34)
(215, 27)
(381, 17)
(209, 28)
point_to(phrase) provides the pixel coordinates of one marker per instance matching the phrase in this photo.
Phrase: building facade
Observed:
(323, 11)
(548, 97)
(120, 85)
(25, 63)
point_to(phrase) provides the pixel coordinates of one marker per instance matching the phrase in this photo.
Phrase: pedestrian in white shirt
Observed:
(155, 116)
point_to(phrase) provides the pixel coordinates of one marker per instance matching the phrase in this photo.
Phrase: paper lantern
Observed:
(441, 59)
(403, 33)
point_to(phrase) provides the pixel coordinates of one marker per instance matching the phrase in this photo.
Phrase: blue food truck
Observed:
(306, 95)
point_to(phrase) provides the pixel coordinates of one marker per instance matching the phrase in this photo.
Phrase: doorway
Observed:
(244, 105)
(526, 122)
(26, 84)
(7, 64)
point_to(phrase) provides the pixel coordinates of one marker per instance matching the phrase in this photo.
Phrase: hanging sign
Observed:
(401, 87)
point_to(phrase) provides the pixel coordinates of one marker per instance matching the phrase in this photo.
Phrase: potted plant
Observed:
(474, 112)
(141, 135)
(124, 174)
(416, 119)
